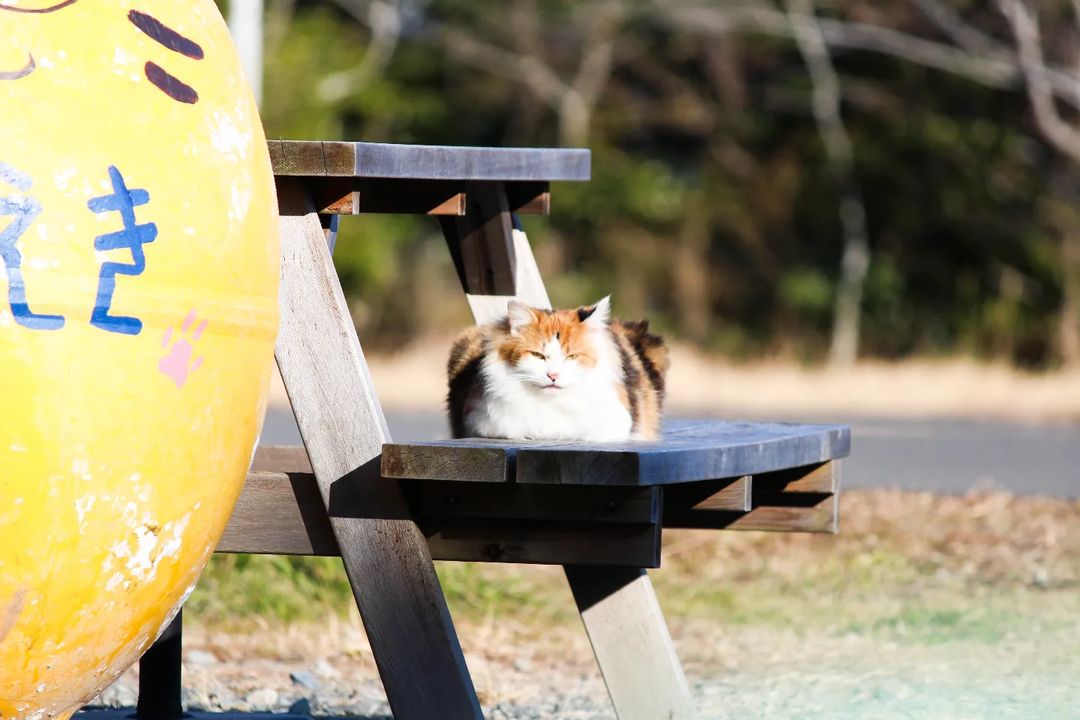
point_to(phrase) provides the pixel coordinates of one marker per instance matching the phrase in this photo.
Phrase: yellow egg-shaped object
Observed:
(138, 309)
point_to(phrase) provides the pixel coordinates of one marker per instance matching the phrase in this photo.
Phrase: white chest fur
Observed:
(589, 411)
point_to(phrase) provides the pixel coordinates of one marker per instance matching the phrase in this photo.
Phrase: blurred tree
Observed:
(593, 29)
(855, 261)
(1065, 138)
(725, 137)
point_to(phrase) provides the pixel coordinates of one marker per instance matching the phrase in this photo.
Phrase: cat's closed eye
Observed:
(542, 356)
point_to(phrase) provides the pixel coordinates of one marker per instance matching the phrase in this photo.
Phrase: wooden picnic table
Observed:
(388, 509)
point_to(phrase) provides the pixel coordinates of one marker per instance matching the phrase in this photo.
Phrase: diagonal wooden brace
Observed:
(386, 558)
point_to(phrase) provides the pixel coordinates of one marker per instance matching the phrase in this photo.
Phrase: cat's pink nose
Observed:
(554, 376)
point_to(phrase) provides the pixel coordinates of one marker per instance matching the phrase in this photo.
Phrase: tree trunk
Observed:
(1069, 329)
(834, 135)
(847, 312)
(1060, 210)
(690, 271)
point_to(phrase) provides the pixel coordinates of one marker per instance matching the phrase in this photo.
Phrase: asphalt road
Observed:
(943, 455)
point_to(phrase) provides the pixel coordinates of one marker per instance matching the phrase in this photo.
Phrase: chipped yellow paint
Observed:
(121, 451)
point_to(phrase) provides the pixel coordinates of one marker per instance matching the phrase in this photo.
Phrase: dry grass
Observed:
(922, 606)
(947, 388)
(699, 384)
(894, 539)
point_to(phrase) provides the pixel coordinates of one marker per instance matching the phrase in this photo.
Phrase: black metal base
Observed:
(159, 675)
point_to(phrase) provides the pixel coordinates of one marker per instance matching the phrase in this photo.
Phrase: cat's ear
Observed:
(520, 315)
(597, 316)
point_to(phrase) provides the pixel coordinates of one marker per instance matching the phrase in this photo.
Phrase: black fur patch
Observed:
(456, 352)
(585, 313)
(644, 341)
(461, 386)
(655, 378)
(630, 379)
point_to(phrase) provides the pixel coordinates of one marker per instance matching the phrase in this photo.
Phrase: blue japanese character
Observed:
(25, 210)
(132, 237)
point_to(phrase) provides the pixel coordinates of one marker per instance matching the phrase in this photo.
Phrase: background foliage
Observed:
(713, 208)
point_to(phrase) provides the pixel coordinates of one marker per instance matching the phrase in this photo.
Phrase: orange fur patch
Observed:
(571, 332)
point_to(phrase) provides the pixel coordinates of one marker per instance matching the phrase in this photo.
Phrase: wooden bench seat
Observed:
(560, 503)
(688, 451)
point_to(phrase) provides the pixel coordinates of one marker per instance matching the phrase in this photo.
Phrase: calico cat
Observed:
(558, 375)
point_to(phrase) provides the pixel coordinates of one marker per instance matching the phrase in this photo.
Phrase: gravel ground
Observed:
(923, 608)
(736, 675)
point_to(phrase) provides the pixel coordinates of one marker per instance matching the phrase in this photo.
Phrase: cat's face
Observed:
(554, 351)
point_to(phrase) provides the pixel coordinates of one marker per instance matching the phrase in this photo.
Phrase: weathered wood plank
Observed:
(427, 162)
(335, 195)
(631, 642)
(823, 478)
(772, 510)
(528, 286)
(313, 157)
(352, 196)
(418, 197)
(510, 501)
(688, 452)
(710, 495)
(331, 195)
(480, 243)
(279, 514)
(471, 163)
(529, 198)
(801, 499)
(341, 422)
(493, 259)
(284, 514)
(488, 308)
(281, 459)
(821, 517)
(475, 463)
(543, 542)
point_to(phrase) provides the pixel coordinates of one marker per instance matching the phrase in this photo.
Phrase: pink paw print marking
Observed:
(178, 364)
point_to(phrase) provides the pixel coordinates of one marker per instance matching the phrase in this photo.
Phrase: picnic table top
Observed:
(316, 158)
(689, 451)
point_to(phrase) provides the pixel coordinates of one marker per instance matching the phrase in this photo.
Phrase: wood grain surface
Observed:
(427, 162)
(689, 451)
(343, 428)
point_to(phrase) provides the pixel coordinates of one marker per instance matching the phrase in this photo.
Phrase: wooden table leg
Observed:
(631, 642)
(387, 561)
(494, 262)
(618, 606)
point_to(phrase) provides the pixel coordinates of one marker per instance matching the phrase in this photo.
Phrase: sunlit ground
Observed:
(699, 384)
(922, 607)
